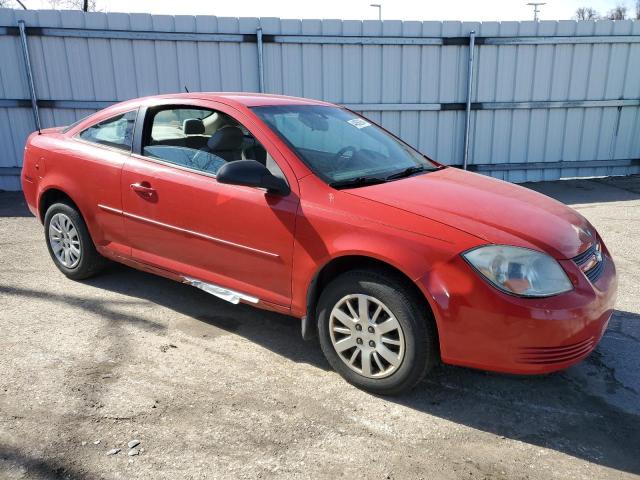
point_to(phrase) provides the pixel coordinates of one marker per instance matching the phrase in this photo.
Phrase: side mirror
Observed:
(251, 173)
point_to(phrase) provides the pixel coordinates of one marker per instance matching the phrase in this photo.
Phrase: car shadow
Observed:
(38, 467)
(13, 204)
(279, 333)
(589, 191)
(556, 411)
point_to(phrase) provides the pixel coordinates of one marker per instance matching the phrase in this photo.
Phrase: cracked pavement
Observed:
(214, 390)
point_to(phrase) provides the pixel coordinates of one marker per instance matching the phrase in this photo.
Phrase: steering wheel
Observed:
(340, 158)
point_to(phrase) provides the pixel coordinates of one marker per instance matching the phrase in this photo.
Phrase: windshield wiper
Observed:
(356, 182)
(407, 172)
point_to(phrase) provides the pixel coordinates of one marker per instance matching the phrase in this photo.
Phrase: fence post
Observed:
(467, 126)
(260, 60)
(27, 63)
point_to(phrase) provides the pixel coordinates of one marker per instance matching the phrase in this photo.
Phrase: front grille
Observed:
(584, 256)
(565, 353)
(591, 262)
(594, 273)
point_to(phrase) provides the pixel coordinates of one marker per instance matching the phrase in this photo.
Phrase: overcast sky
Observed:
(482, 10)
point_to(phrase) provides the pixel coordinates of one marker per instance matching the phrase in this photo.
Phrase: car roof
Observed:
(237, 99)
(247, 99)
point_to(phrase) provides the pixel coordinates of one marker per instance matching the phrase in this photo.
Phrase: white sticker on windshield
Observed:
(359, 122)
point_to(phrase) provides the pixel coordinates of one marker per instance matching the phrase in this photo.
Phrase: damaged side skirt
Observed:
(220, 292)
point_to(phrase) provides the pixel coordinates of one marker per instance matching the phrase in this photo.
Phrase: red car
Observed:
(309, 209)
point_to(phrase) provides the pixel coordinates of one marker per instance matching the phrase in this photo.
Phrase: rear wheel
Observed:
(69, 242)
(375, 332)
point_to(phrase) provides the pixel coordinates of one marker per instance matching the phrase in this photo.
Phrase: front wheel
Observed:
(375, 331)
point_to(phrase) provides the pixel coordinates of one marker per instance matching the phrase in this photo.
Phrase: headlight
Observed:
(520, 271)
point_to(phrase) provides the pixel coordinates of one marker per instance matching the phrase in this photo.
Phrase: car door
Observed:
(179, 218)
(103, 148)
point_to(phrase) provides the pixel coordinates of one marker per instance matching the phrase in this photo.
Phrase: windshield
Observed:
(342, 148)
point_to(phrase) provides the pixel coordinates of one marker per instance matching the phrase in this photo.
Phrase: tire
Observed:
(69, 233)
(413, 343)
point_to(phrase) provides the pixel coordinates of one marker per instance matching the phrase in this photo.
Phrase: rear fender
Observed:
(72, 189)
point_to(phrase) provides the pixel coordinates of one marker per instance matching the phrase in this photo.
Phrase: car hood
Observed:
(491, 209)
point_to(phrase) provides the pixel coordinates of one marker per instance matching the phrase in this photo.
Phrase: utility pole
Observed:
(379, 7)
(536, 10)
(85, 5)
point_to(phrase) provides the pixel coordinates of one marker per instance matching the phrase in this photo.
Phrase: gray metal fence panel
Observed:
(409, 76)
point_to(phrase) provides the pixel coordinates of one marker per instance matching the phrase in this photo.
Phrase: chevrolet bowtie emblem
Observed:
(598, 256)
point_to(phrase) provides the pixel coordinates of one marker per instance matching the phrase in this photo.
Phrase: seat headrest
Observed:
(227, 138)
(193, 126)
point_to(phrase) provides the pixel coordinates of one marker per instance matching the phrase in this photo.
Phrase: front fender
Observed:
(323, 236)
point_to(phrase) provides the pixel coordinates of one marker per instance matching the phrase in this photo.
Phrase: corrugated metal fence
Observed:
(547, 99)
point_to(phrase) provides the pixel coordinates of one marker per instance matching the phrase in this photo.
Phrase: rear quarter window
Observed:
(114, 132)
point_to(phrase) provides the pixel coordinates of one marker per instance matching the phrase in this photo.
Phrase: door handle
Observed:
(143, 189)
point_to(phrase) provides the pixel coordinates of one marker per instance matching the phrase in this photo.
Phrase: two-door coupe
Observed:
(306, 208)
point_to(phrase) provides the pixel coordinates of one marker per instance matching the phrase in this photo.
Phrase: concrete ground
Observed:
(212, 390)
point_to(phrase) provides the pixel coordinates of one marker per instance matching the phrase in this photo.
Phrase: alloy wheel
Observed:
(64, 240)
(366, 336)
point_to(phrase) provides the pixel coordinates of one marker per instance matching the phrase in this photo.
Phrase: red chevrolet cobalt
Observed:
(306, 208)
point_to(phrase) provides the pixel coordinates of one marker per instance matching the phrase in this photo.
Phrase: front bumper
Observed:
(482, 327)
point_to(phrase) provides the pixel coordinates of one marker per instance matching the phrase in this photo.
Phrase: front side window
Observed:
(115, 132)
(168, 124)
(341, 147)
(200, 139)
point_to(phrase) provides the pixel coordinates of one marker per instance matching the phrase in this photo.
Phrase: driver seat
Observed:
(226, 143)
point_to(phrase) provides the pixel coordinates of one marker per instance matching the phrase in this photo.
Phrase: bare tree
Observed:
(12, 4)
(618, 13)
(587, 13)
(86, 5)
